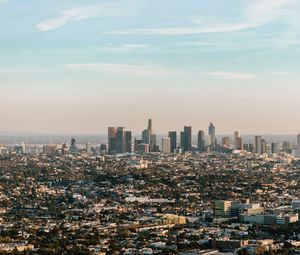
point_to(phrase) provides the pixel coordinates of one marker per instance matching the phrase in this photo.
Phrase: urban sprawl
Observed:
(141, 196)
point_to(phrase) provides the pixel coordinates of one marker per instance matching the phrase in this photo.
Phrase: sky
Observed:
(79, 66)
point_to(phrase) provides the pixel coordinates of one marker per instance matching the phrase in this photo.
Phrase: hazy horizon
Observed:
(136, 133)
(102, 138)
(74, 68)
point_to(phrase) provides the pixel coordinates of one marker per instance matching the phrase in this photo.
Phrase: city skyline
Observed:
(138, 133)
(234, 63)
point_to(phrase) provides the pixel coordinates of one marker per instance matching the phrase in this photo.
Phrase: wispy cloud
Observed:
(135, 46)
(103, 10)
(282, 73)
(123, 48)
(123, 69)
(255, 14)
(182, 30)
(232, 75)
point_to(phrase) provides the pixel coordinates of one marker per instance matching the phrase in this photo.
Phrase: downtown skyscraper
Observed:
(212, 137)
(112, 140)
(201, 141)
(173, 137)
(258, 145)
(186, 138)
(237, 141)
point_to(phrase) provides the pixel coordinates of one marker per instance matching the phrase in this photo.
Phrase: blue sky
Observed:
(80, 66)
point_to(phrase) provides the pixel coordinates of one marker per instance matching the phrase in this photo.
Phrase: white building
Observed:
(166, 145)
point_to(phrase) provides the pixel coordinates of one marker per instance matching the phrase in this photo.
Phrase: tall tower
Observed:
(237, 141)
(258, 147)
(73, 147)
(186, 138)
(88, 148)
(120, 140)
(298, 140)
(212, 135)
(128, 141)
(150, 128)
(188, 131)
(226, 141)
(236, 135)
(152, 136)
(201, 141)
(173, 137)
(274, 148)
(263, 146)
(111, 140)
(146, 136)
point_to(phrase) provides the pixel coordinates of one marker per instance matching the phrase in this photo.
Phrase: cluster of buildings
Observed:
(171, 144)
(254, 213)
(121, 141)
(140, 196)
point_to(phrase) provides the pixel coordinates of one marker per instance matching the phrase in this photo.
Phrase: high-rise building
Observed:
(173, 137)
(201, 141)
(264, 147)
(88, 148)
(182, 140)
(73, 147)
(226, 142)
(212, 136)
(111, 140)
(166, 145)
(258, 147)
(128, 141)
(274, 148)
(120, 140)
(146, 136)
(150, 127)
(239, 143)
(236, 135)
(286, 147)
(152, 136)
(251, 147)
(297, 152)
(136, 143)
(186, 138)
(188, 131)
(153, 139)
